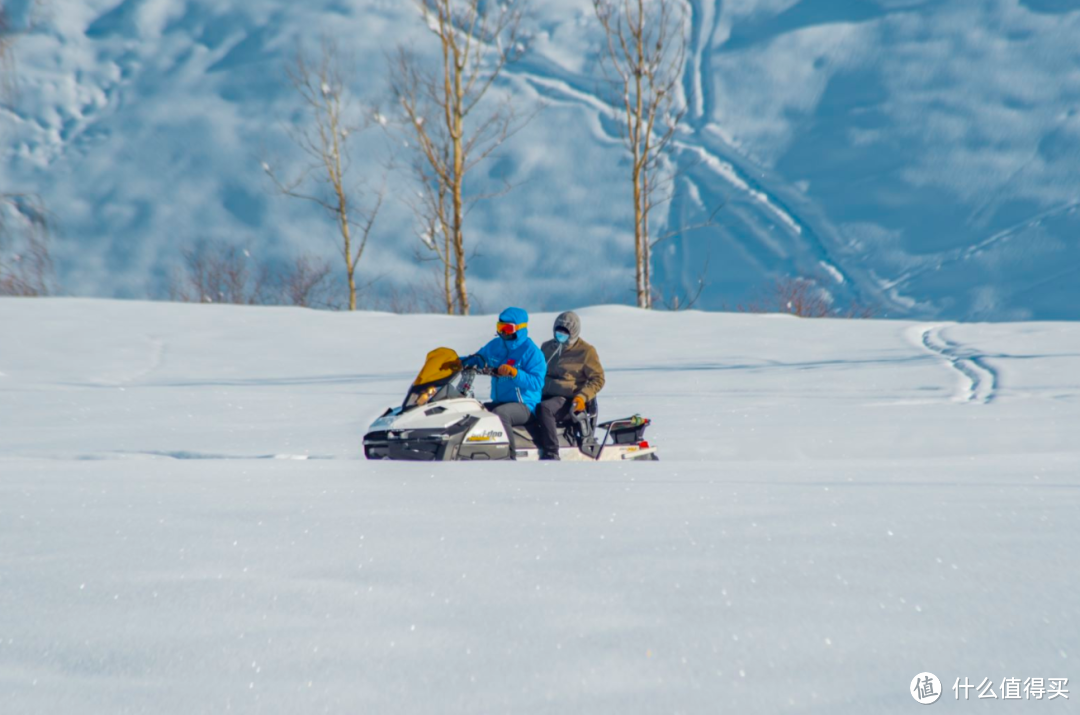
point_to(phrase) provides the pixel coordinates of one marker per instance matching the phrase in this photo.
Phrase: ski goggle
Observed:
(562, 335)
(509, 328)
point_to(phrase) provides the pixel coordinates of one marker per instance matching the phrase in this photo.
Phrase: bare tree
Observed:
(26, 265)
(449, 128)
(690, 298)
(646, 46)
(805, 298)
(322, 85)
(306, 283)
(220, 273)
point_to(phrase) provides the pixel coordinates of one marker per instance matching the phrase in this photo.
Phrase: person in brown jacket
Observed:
(574, 376)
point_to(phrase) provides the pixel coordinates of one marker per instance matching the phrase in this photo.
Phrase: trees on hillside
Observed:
(451, 124)
(449, 120)
(219, 272)
(803, 297)
(450, 115)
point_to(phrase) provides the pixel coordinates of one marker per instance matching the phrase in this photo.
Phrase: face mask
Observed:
(562, 336)
(508, 337)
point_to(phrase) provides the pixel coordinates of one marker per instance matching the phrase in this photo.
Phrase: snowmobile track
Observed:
(980, 380)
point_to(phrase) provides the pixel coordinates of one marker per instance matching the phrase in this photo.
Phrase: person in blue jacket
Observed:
(520, 368)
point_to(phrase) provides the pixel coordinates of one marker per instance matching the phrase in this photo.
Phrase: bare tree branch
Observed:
(691, 299)
(322, 85)
(685, 229)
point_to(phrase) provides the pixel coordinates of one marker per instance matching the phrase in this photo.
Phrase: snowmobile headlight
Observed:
(426, 395)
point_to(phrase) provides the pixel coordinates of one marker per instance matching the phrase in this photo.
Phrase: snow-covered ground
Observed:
(920, 156)
(840, 505)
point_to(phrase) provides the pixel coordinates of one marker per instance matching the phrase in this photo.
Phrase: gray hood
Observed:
(571, 322)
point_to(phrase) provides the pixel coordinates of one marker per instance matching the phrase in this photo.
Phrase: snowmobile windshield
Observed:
(435, 378)
(441, 364)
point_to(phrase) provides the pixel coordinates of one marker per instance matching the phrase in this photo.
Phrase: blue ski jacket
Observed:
(521, 353)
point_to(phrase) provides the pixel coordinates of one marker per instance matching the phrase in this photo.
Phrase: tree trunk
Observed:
(460, 262)
(639, 254)
(641, 236)
(448, 281)
(646, 240)
(346, 235)
(459, 257)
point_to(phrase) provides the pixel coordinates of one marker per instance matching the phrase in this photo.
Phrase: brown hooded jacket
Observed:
(573, 367)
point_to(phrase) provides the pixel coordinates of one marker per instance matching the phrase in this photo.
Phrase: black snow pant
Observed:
(549, 413)
(511, 413)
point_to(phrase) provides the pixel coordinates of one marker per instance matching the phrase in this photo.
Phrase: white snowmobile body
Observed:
(449, 424)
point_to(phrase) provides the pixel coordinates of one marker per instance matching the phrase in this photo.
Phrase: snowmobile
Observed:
(441, 420)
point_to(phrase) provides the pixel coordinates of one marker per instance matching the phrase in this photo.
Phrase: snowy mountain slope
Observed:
(918, 156)
(840, 505)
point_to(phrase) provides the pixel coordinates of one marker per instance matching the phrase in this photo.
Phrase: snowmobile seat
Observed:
(569, 431)
(592, 409)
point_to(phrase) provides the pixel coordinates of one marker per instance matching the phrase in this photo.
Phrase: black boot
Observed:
(549, 455)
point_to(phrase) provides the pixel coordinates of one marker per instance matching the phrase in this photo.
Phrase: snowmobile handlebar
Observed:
(486, 371)
(468, 377)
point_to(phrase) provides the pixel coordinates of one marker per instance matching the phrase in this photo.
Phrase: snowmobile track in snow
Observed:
(980, 380)
(189, 455)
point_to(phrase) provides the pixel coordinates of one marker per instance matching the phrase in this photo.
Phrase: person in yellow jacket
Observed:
(574, 376)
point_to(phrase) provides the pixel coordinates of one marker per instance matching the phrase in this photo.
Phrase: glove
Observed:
(472, 361)
(579, 403)
(452, 366)
(507, 371)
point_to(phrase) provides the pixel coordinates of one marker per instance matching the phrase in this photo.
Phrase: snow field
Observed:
(833, 514)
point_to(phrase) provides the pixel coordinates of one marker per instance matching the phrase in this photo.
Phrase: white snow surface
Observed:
(917, 156)
(840, 505)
